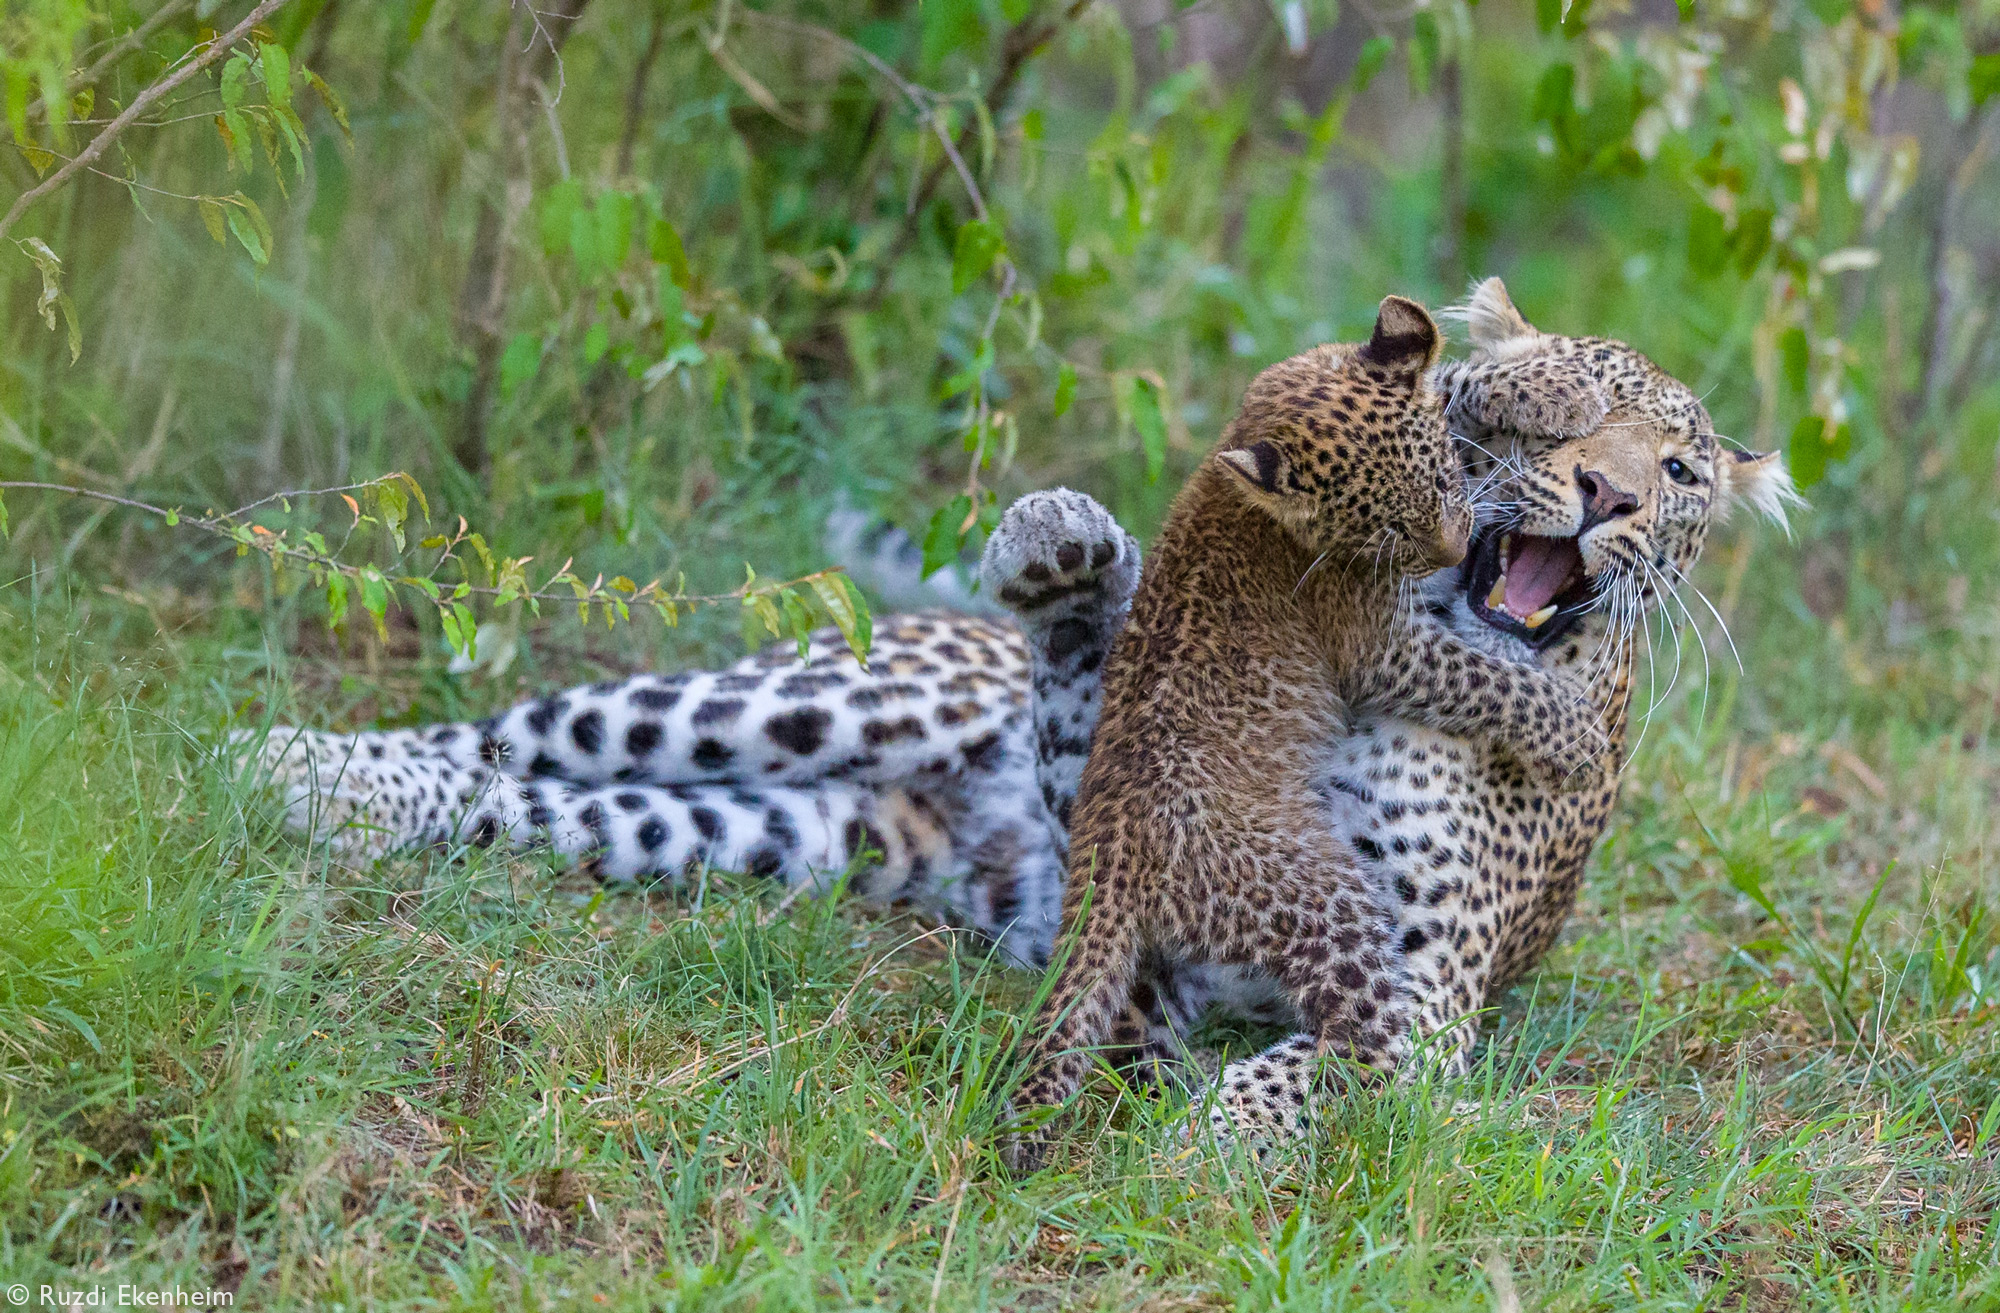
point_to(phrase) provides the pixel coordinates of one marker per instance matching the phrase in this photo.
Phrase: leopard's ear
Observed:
(1497, 329)
(1405, 338)
(1757, 479)
(1261, 465)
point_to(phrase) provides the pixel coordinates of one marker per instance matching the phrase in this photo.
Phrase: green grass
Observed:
(1762, 1071)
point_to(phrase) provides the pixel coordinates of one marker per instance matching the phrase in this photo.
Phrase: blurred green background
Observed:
(647, 284)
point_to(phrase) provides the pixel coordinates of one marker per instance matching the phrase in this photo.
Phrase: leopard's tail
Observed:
(415, 794)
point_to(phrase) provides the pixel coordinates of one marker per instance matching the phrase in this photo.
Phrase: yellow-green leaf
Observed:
(843, 601)
(212, 218)
(332, 102)
(336, 600)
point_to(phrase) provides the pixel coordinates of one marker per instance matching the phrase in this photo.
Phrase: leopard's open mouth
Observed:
(1525, 585)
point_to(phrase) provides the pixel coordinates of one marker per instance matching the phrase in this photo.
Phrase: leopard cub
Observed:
(1271, 606)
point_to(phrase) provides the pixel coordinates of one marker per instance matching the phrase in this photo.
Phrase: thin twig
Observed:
(922, 99)
(140, 104)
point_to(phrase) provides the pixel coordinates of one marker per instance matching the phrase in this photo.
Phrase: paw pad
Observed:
(1059, 546)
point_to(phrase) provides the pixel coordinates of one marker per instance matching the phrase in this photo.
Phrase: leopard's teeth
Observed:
(1498, 597)
(1541, 617)
(1506, 551)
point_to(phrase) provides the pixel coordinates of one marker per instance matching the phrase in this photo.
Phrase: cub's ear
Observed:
(1260, 464)
(1757, 479)
(1405, 338)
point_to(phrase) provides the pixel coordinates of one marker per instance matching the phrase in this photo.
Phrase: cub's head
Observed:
(1345, 446)
(1600, 476)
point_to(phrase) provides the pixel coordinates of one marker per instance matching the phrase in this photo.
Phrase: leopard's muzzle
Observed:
(1526, 585)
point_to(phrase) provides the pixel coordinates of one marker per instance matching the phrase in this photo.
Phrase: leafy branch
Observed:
(789, 609)
(142, 102)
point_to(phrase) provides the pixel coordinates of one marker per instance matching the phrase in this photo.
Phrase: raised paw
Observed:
(1059, 553)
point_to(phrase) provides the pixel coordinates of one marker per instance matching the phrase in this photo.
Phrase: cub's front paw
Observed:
(1059, 547)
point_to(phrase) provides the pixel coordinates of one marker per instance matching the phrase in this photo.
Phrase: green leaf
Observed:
(53, 298)
(979, 245)
(1806, 453)
(1752, 238)
(1065, 387)
(1708, 243)
(520, 362)
(1423, 50)
(583, 242)
(975, 369)
(235, 80)
(336, 600)
(1982, 79)
(1139, 404)
(333, 103)
(943, 539)
(1548, 13)
(375, 599)
(393, 504)
(617, 213)
(663, 241)
(799, 620)
(4, 529)
(843, 601)
(950, 25)
(1374, 54)
(68, 308)
(596, 341)
(1555, 93)
(420, 17)
(461, 630)
(236, 133)
(276, 67)
(250, 227)
(558, 206)
(1149, 417)
(1796, 354)
(416, 490)
(212, 218)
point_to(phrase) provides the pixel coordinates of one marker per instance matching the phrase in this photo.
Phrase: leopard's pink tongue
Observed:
(1540, 568)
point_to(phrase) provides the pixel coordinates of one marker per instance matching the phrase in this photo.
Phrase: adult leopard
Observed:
(955, 754)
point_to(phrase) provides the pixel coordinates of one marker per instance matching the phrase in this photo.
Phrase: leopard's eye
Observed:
(1678, 470)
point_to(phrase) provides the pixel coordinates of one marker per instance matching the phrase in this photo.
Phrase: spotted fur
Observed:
(794, 768)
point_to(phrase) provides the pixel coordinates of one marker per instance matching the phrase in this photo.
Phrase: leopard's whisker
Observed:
(1707, 674)
(1727, 637)
(1308, 574)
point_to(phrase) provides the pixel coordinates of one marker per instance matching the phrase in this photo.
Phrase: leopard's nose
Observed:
(1454, 539)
